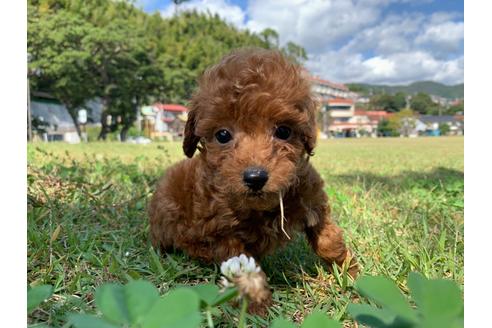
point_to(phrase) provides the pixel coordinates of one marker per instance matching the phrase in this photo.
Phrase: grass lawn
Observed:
(400, 202)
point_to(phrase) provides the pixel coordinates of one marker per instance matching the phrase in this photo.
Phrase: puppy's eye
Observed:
(223, 136)
(283, 132)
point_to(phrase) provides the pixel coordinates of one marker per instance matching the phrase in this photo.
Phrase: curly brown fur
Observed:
(202, 205)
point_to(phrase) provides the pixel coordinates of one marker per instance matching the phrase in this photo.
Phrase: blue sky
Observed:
(373, 41)
(427, 7)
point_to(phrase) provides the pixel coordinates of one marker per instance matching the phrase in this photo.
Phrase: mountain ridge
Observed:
(430, 87)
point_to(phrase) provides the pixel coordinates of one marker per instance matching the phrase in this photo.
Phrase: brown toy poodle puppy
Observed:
(253, 120)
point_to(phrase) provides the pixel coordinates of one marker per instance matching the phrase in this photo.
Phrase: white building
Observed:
(325, 89)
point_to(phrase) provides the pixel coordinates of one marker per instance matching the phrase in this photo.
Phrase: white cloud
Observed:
(393, 34)
(316, 24)
(380, 66)
(397, 68)
(355, 40)
(445, 36)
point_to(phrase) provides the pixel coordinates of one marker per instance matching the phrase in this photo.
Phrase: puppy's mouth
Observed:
(261, 197)
(255, 194)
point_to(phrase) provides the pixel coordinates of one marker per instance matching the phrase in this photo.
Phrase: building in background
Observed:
(325, 89)
(337, 114)
(434, 124)
(337, 108)
(368, 121)
(164, 120)
(52, 121)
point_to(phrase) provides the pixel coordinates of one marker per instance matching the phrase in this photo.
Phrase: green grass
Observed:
(400, 202)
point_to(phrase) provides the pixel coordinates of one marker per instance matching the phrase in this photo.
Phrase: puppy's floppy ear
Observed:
(191, 140)
(309, 136)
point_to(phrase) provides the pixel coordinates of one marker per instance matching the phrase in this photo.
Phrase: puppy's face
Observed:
(254, 117)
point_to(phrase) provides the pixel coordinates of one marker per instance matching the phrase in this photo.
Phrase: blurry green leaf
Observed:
(207, 292)
(140, 296)
(282, 323)
(38, 325)
(178, 308)
(385, 293)
(88, 321)
(318, 319)
(110, 300)
(439, 303)
(374, 317)
(436, 299)
(442, 323)
(226, 296)
(36, 295)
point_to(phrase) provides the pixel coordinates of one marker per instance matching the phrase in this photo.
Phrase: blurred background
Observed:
(125, 70)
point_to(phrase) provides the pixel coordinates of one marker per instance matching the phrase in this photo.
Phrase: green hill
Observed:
(433, 88)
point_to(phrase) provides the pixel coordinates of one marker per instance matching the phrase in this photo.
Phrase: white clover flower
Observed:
(225, 283)
(238, 265)
(242, 272)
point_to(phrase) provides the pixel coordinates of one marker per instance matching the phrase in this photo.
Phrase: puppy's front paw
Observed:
(254, 286)
(351, 264)
(261, 308)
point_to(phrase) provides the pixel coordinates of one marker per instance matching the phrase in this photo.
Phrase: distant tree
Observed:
(390, 103)
(437, 109)
(387, 129)
(404, 121)
(126, 72)
(444, 128)
(359, 88)
(112, 50)
(400, 123)
(58, 53)
(400, 100)
(191, 42)
(270, 37)
(456, 108)
(295, 52)
(422, 103)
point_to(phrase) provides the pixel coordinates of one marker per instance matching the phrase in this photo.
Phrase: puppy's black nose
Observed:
(255, 178)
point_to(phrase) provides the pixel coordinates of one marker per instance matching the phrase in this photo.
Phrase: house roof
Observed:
(437, 119)
(54, 113)
(43, 95)
(352, 124)
(171, 107)
(377, 113)
(94, 107)
(333, 85)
